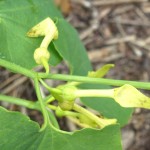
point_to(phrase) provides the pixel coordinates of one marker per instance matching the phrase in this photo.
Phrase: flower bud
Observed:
(66, 105)
(66, 96)
(48, 29)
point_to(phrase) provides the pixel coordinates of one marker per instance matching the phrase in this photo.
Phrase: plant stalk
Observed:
(17, 69)
(19, 101)
(43, 108)
(31, 74)
(49, 88)
(91, 116)
(113, 82)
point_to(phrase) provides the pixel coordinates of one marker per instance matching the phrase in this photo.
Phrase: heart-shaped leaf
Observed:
(20, 133)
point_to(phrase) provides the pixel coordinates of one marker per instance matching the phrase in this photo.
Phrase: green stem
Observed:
(95, 93)
(65, 113)
(76, 121)
(28, 104)
(51, 99)
(46, 99)
(16, 68)
(52, 107)
(46, 65)
(43, 108)
(48, 87)
(91, 116)
(71, 114)
(19, 101)
(53, 119)
(113, 82)
(32, 74)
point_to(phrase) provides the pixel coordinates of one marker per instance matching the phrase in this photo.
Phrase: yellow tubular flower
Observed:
(48, 29)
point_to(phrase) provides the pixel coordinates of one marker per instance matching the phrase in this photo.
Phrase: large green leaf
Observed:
(71, 49)
(16, 18)
(20, 133)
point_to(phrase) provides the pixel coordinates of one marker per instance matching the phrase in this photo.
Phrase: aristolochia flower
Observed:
(48, 29)
(128, 96)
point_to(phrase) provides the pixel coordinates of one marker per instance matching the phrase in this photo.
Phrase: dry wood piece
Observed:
(103, 56)
(114, 2)
(142, 15)
(104, 12)
(9, 80)
(13, 86)
(113, 57)
(145, 7)
(131, 22)
(99, 55)
(86, 33)
(141, 44)
(123, 9)
(121, 39)
(136, 50)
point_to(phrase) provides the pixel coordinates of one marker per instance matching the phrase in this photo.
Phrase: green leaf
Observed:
(20, 133)
(71, 49)
(16, 18)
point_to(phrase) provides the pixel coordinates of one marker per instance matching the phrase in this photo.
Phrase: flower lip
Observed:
(47, 26)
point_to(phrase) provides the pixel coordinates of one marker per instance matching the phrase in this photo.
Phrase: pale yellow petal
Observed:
(129, 96)
(43, 28)
(100, 72)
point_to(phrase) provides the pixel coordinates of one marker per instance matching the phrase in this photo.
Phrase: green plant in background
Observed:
(20, 54)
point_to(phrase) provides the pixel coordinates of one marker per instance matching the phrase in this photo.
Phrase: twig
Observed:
(113, 57)
(141, 15)
(114, 2)
(122, 9)
(131, 22)
(136, 50)
(120, 39)
(9, 80)
(14, 85)
(146, 7)
(86, 33)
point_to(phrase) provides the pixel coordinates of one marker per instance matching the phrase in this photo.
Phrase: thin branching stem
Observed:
(103, 81)
(19, 101)
(43, 108)
(17, 69)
